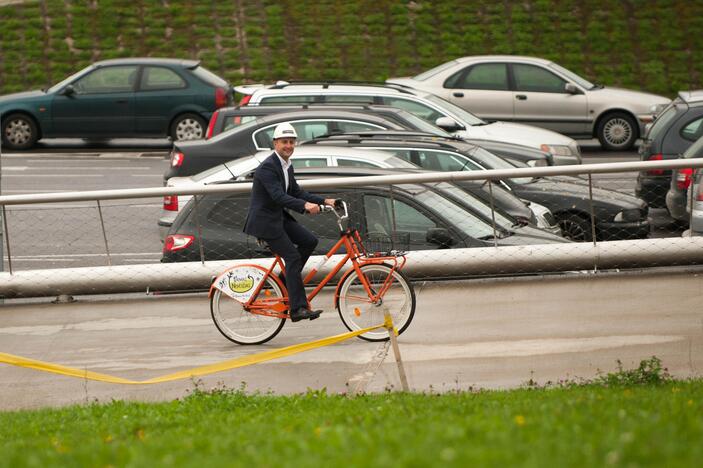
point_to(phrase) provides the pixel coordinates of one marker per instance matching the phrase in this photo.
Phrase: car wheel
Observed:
(19, 132)
(574, 227)
(617, 131)
(188, 127)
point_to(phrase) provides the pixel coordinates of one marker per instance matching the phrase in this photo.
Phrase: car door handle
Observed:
(458, 94)
(121, 101)
(521, 97)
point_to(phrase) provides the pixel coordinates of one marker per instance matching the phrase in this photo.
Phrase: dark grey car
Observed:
(674, 130)
(617, 215)
(256, 134)
(427, 218)
(680, 182)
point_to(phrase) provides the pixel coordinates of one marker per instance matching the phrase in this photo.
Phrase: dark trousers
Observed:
(294, 258)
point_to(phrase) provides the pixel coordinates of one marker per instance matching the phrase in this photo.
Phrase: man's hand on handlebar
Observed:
(335, 203)
(312, 208)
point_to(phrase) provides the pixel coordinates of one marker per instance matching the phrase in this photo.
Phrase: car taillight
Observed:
(176, 242)
(683, 178)
(176, 158)
(245, 100)
(655, 172)
(171, 202)
(220, 97)
(211, 125)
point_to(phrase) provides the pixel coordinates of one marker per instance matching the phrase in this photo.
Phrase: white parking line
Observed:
(80, 168)
(54, 175)
(67, 257)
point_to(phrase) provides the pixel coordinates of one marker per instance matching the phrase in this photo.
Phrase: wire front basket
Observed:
(380, 243)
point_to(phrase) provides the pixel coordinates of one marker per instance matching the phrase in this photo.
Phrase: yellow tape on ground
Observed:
(195, 372)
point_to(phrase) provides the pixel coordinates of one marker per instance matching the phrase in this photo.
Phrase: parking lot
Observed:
(74, 165)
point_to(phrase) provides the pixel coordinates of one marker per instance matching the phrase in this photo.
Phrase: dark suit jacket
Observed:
(269, 198)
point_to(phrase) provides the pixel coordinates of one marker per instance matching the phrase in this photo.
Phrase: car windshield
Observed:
(423, 125)
(433, 71)
(661, 123)
(491, 161)
(466, 117)
(467, 199)
(68, 80)
(462, 219)
(242, 127)
(584, 83)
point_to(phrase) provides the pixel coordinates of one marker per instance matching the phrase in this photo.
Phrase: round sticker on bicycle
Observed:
(240, 283)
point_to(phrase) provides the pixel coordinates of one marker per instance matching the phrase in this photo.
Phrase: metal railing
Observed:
(34, 225)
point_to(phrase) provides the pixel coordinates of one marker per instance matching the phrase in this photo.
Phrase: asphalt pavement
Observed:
(466, 335)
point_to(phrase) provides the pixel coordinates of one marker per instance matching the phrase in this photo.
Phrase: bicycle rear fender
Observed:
(241, 281)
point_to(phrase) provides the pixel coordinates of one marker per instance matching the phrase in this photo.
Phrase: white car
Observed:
(425, 105)
(306, 157)
(539, 92)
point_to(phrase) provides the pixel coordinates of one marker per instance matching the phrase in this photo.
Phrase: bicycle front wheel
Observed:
(244, 327)
(357, 310)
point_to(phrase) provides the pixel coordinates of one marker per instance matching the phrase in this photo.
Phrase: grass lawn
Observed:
(597, 424)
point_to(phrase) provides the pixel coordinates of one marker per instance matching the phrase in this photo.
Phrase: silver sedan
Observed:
(538, 92)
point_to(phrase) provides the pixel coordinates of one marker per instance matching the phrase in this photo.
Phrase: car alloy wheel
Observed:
(188, 127)
(617, 132)
(19, 132)
(575, 227)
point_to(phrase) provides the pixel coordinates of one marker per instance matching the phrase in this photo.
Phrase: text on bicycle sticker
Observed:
(240, 283)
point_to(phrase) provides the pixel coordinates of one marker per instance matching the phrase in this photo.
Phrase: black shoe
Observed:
(302, 313)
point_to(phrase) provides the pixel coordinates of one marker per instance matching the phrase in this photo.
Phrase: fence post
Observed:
(493, 214)
(388, 323)
(593, 217)
(102, 225)
(200, 229)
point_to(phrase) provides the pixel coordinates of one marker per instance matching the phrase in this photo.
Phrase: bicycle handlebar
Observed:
(336, 210)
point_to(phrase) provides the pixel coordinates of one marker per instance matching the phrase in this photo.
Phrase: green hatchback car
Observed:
(120, 98)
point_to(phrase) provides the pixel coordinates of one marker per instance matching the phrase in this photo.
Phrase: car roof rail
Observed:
(327, 83)
(390, 135)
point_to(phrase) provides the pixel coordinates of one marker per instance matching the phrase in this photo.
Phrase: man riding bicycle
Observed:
(275, 191)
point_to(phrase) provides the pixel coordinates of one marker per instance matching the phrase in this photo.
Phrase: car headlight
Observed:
(560, 150)
(627, 216)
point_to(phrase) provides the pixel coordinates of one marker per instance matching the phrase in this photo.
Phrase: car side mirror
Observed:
(448, 124)
(68, 90)
(571, 88)
(440, 237)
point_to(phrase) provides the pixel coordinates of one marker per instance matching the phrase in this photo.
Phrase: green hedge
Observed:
(643, 45)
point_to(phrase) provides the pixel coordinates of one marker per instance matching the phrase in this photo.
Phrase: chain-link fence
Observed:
(522, 221)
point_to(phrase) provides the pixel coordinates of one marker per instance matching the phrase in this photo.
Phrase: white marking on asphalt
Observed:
(105, 204)
(81, 168)
(521, 348)
(107, 324)
(68, 256)
(64, 176)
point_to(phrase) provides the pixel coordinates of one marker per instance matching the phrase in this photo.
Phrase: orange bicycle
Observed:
(249, 303)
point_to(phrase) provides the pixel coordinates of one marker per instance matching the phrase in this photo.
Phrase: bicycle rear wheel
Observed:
(242, 326)
(358, 311)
